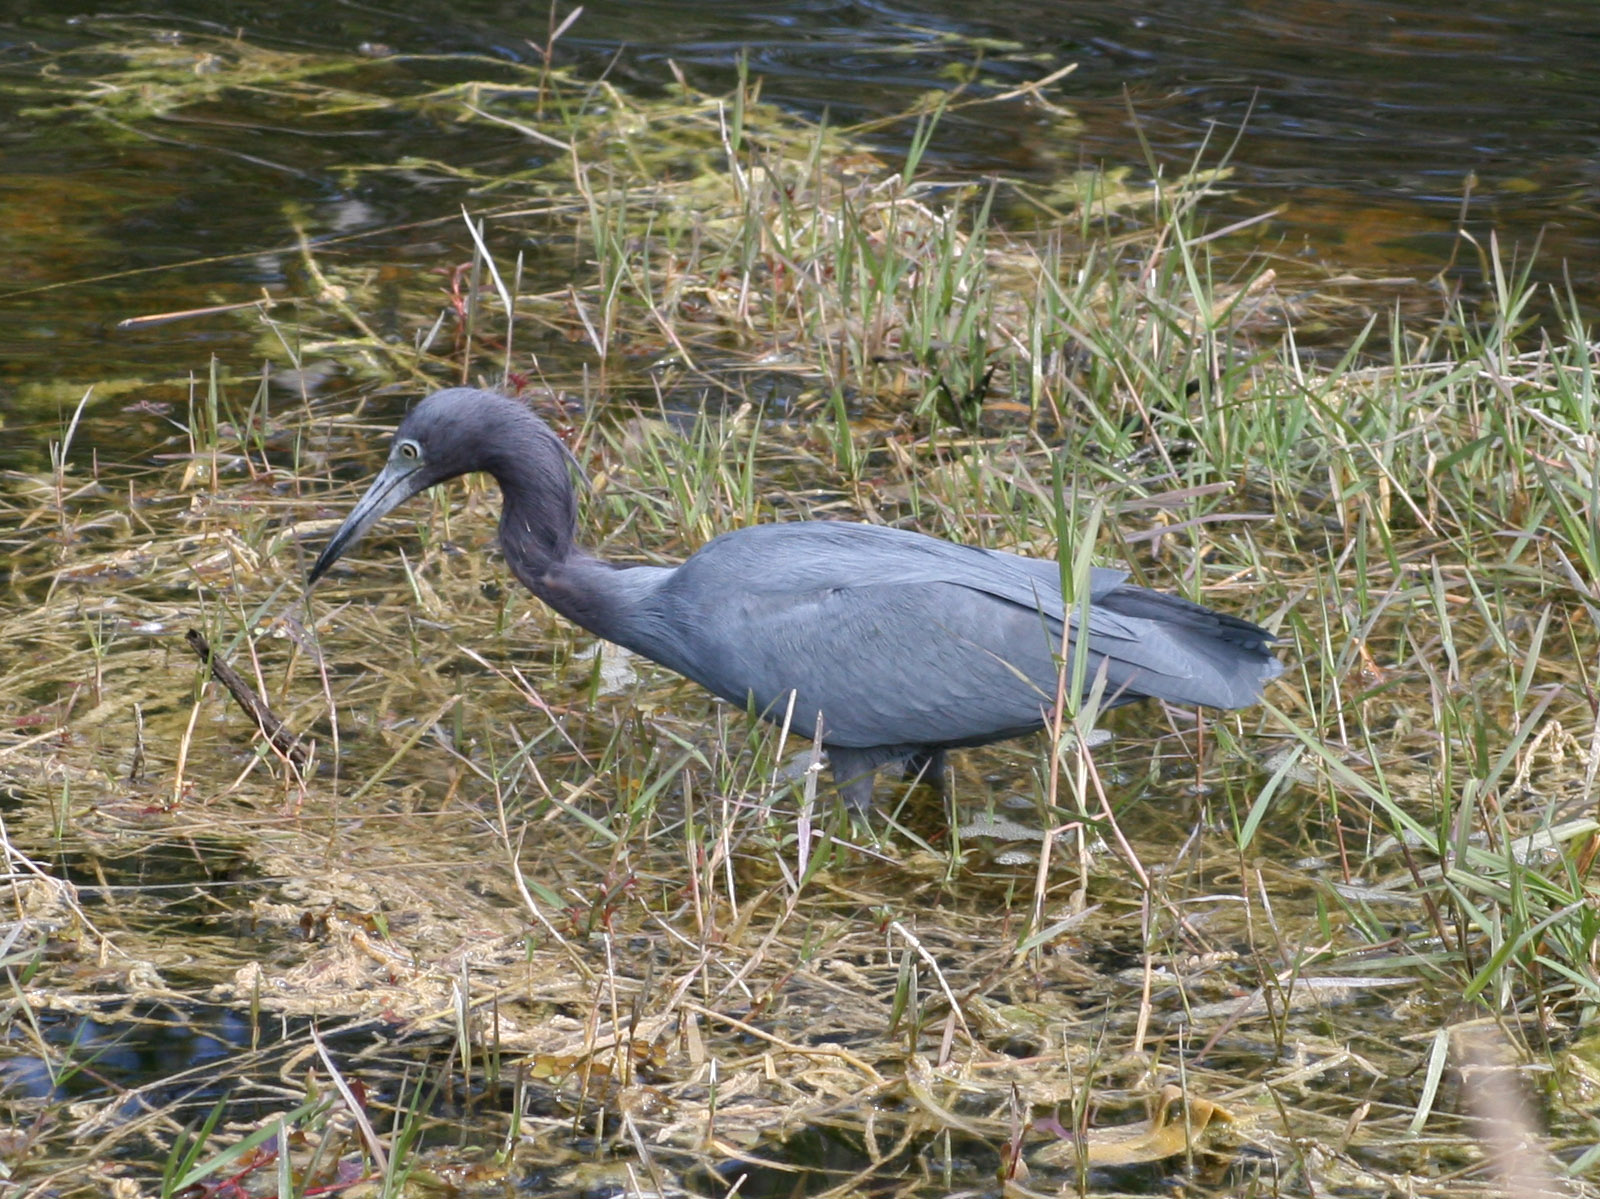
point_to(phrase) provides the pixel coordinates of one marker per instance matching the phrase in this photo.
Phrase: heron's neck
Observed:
(537, 537)
(617, 603)
(538, 519)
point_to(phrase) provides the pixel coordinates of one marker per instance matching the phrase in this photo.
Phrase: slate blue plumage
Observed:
(908, 645)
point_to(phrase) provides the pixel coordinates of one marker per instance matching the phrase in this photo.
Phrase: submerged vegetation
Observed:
(541, 915)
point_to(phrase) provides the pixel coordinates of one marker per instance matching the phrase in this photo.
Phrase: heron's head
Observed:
(449, 433)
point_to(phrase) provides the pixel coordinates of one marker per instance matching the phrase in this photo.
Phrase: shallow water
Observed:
(1367, 127)
(385, 899)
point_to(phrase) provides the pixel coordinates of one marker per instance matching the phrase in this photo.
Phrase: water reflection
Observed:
(98, 1056)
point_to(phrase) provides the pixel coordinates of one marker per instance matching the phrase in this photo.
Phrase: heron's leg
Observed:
(929, 767)
(853, 775)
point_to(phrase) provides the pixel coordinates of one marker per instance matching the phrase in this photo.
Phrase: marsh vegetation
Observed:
(538, 916)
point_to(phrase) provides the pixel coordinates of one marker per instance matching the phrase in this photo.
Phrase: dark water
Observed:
(1376, 111)
(1371, 127)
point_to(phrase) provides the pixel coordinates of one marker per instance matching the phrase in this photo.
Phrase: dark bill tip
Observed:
(397, 483)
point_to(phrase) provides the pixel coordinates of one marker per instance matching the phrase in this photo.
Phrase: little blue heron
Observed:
(905, 645)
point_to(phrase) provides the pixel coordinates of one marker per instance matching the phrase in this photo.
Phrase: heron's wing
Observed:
(900, 638)
(885, 664)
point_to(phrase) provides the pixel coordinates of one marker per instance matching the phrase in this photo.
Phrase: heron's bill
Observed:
(397, 483)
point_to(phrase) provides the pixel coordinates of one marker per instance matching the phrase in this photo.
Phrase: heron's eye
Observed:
(410, 451)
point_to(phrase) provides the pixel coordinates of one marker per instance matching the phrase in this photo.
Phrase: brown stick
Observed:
(285, 742)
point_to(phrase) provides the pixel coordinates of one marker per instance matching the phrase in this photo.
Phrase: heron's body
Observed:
(904, 644)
